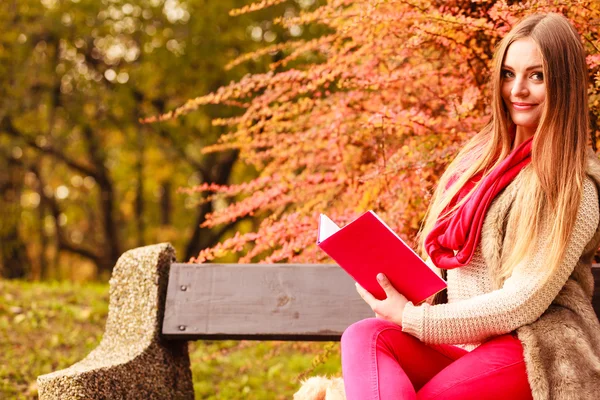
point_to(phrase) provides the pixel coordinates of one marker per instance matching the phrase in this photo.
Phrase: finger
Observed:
(386, 285)
(366, 296)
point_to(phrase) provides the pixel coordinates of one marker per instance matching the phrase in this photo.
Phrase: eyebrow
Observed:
(526, 69)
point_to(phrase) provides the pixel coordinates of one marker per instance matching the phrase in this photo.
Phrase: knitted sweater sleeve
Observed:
(523, 298)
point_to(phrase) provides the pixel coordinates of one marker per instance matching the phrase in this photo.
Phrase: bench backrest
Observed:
(261, 301)
(267, 301)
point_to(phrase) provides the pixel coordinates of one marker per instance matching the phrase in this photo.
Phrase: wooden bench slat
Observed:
(267, 302)
(260, 301)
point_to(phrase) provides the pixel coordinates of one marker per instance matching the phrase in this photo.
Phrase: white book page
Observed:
(326, 227)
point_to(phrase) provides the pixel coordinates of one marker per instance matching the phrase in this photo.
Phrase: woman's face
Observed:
(523, 85)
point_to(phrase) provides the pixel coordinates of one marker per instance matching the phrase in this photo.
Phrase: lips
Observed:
(523, 106)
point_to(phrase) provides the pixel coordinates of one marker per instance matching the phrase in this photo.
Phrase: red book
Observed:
(367, 246)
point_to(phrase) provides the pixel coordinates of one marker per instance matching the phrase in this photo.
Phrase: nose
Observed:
(519, 88)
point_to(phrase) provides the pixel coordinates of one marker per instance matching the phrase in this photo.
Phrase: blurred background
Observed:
(81, 180)
(335, 106)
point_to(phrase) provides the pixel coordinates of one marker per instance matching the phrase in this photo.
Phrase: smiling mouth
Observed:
(523, 106)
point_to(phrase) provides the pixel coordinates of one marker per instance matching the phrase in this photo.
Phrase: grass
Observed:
(45, 327)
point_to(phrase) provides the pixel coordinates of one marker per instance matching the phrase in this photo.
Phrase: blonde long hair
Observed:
(559, 144)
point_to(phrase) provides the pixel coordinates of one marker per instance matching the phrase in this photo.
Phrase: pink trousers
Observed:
(379, 361)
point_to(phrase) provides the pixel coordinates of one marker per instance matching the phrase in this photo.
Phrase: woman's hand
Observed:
(392, 307)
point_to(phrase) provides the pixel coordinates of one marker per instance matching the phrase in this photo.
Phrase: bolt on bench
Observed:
(156, 306)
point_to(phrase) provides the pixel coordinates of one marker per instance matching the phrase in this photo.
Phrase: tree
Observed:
(13, 255)
(76, 78)
(365, 116)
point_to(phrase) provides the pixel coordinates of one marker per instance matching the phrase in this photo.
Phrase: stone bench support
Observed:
(132, 361)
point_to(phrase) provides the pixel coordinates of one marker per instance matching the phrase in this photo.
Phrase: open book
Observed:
(367, 246)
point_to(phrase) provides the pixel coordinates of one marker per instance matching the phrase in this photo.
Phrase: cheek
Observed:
(541, 94)
(506, 88)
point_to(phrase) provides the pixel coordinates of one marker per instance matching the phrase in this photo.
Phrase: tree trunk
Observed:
(13, 252)
(139, 197)
(165, 204)
(43, 262)
(220, 173)
(112, 247)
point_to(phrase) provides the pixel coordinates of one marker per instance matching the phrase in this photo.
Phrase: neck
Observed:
(521, 135)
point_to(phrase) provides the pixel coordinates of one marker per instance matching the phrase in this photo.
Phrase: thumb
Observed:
(386, 285)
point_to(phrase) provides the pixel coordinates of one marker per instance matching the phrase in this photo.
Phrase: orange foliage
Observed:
(398, 87)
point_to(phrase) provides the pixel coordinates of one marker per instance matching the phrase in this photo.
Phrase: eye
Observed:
(537, 76)
(506, 74)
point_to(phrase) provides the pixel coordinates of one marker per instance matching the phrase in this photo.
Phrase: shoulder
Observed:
(591, 182)
(589, 206)
(589, 193)
(589, 213)
(590, 185)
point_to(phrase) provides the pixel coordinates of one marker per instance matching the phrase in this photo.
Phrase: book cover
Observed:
(368, 246)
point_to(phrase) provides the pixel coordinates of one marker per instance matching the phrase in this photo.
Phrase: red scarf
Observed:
(461, 230)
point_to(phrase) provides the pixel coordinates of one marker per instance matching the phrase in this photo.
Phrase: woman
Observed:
(514, 224)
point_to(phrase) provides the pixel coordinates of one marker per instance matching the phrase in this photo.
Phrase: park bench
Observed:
(156, 306)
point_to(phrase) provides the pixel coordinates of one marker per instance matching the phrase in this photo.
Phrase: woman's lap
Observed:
(494, 370)
(394, 360)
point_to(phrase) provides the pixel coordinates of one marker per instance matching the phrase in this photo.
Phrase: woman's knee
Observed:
(364, 330)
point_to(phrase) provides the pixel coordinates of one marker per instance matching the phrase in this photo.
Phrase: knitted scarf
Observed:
(453, 239)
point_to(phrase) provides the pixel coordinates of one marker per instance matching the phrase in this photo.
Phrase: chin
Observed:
(527, 123)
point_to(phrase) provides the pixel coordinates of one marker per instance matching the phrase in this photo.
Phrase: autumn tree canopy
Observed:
(365, 116)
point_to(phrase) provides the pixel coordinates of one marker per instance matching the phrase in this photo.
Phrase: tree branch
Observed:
(8, 127)
(163, 133)
(63, 242)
